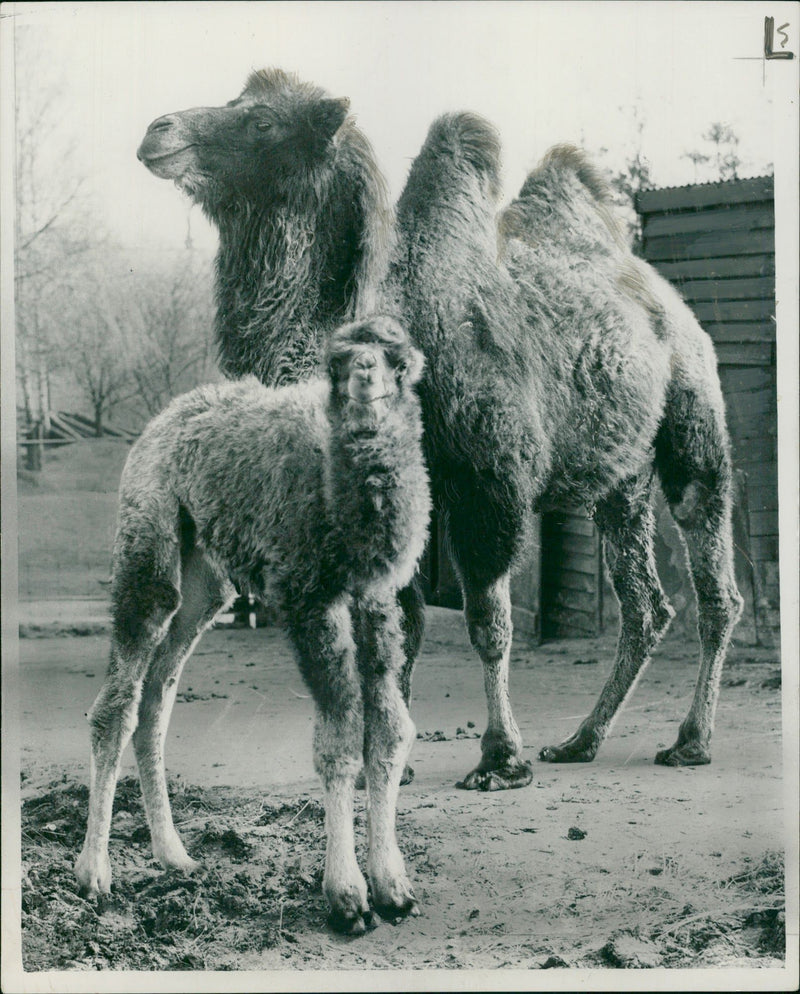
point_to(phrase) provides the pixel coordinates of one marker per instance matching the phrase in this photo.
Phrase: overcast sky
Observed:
(541, 72)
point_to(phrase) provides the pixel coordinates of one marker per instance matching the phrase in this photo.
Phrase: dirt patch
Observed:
(261, 881)
(259, 892)
(618, 863)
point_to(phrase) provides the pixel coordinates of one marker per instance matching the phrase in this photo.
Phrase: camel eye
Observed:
(257, 120)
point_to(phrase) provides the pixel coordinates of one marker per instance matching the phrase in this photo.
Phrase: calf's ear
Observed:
(409, 369)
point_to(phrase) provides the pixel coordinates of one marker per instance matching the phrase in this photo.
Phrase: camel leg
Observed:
(627, 523)
(203, 595)
(113, 718)
(487, 607)
(488, 614)
(388, 737)
(484, 535)
(694, 465)
(719, 607)
(323, 642)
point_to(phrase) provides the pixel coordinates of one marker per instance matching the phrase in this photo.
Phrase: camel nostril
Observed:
(162, 124)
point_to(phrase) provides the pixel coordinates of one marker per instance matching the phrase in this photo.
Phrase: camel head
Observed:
(371, 363)
(247, 149)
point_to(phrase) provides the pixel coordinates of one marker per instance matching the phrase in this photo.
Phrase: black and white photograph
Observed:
(400, 495)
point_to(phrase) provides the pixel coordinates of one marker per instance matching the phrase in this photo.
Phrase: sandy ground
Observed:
(618, 863)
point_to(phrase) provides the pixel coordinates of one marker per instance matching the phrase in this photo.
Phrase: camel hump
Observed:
(568, 158)
(468, 137)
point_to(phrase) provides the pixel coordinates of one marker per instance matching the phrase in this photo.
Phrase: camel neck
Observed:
(282, 284)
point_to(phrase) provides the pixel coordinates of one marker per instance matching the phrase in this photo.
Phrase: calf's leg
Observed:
(411, 602)
(323, 642)
(136, 635)
(388, 737)
(203, 594)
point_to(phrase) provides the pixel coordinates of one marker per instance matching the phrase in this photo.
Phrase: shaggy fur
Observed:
(301, 208)
(569, 371)
(313, 496)
(304, 232)
(559, 367)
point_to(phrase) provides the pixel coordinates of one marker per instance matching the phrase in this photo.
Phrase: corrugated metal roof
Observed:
(718, 182)
(702, 195)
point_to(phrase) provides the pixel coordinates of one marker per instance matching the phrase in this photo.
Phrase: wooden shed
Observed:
(716, 243)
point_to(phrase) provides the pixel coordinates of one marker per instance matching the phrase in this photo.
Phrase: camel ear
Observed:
(409, 370)
(328, 116)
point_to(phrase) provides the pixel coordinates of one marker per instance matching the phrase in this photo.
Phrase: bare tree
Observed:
(86, 312)
(722, 153)
(49, 207)
(725, 143)
(92, 333)
(170, 333)
(697, 158)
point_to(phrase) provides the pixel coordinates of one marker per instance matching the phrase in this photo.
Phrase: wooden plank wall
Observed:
(716, 244)
(572, 574)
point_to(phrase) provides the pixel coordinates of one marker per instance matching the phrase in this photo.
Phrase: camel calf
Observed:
(313, 496)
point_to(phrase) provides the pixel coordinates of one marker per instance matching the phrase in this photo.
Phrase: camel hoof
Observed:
(508, 776)
(578, 748)
(407, 775)
(571, 751)
(685, 754)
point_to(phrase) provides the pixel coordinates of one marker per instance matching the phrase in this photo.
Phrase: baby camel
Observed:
(314, 496)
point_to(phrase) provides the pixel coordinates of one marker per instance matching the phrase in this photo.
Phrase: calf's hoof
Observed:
(347, 900)
(507, 775)
(684, 754)
(176, 858)
(93, 874)
(395, 913)
(352, 924)
(392, 896)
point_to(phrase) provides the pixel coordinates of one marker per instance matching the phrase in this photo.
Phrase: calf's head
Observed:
(371, 363)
